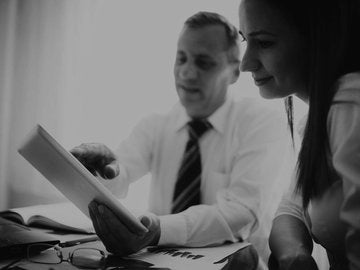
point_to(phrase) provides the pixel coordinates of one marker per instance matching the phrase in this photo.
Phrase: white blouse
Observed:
(334, 219)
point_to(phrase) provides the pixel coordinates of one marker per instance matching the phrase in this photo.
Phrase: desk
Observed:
(244, 259)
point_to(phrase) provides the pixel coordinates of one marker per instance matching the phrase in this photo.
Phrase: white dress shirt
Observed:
(334, 217)
(243, 156)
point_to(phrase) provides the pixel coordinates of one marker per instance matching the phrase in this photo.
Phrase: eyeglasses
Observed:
(91, 258)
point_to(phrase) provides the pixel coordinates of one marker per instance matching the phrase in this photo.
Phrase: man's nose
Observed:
(188, 72)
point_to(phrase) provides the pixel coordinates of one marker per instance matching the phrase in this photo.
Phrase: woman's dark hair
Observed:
(331, 29)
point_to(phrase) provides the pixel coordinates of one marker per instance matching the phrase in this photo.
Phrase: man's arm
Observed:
(129, 162)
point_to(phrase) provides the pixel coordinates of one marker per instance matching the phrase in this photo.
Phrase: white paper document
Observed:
(189, 258)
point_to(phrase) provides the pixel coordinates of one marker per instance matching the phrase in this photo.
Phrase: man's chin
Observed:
(194, 112)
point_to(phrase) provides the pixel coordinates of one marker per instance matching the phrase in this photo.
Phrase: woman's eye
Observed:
(265, 44)
(242, 37)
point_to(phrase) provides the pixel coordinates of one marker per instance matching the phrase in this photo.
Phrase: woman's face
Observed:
(275, 51)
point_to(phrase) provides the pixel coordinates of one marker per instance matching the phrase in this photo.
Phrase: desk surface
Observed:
(244, 259)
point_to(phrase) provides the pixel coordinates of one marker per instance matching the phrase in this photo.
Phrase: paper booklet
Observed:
(189, 258)
(71, 177)
(59, 216)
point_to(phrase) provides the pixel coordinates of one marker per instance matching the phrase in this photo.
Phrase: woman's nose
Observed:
(249, 62)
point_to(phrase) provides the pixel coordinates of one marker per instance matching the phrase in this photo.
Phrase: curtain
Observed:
(32, 76)
(7, 19)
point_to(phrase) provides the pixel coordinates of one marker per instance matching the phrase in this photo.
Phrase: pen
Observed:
(79, 241)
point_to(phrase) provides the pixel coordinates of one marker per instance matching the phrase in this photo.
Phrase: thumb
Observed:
(111, 170)
(146, 221)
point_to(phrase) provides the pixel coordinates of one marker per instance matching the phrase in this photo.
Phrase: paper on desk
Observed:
(189, 258)
(57, 216)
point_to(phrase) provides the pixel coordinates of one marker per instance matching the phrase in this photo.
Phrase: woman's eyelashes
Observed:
(260, 43)
(264, 44)
(242, 37)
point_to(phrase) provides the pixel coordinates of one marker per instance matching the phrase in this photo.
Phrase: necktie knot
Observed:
(198, 127)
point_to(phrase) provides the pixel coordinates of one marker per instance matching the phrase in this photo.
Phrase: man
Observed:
(236, 157)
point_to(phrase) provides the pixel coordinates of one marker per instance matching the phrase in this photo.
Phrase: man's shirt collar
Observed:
(217, 119)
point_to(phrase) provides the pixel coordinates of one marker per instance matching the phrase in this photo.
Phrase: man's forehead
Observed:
(203, 40)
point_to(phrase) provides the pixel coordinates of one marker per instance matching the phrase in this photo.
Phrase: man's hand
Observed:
(97, 158)
(116, 237)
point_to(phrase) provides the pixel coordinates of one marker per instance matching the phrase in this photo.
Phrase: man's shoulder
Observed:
(162, 118)
(253, 119)
(256, 108)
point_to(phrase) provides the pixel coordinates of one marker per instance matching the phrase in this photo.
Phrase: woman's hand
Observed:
(297, 262)
(291, 245)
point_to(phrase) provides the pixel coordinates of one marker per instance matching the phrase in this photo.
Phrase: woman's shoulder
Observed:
(348, 88)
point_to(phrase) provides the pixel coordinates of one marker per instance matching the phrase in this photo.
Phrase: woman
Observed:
(312, 50)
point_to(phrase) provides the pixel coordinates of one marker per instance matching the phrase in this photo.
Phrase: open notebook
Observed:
(59, 217)
(15, 238)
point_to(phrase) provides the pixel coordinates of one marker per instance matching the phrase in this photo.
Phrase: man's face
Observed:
(202, 70)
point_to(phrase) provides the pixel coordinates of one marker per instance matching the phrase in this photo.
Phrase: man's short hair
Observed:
(204, 18)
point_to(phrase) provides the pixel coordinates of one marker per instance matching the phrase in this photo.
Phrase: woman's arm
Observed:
(291, 244)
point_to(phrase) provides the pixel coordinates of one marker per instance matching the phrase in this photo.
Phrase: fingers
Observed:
(89, 155)
(109, 240)
(94, 218)
(111, 170)
(97, 158)
(146, 221)
(112, 223)
(127, 242)
(116, 237)
(152, 223)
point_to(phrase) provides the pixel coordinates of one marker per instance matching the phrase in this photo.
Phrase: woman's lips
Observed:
(262, 81)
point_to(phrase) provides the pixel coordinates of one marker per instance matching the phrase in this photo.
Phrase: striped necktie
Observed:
(187, 188)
